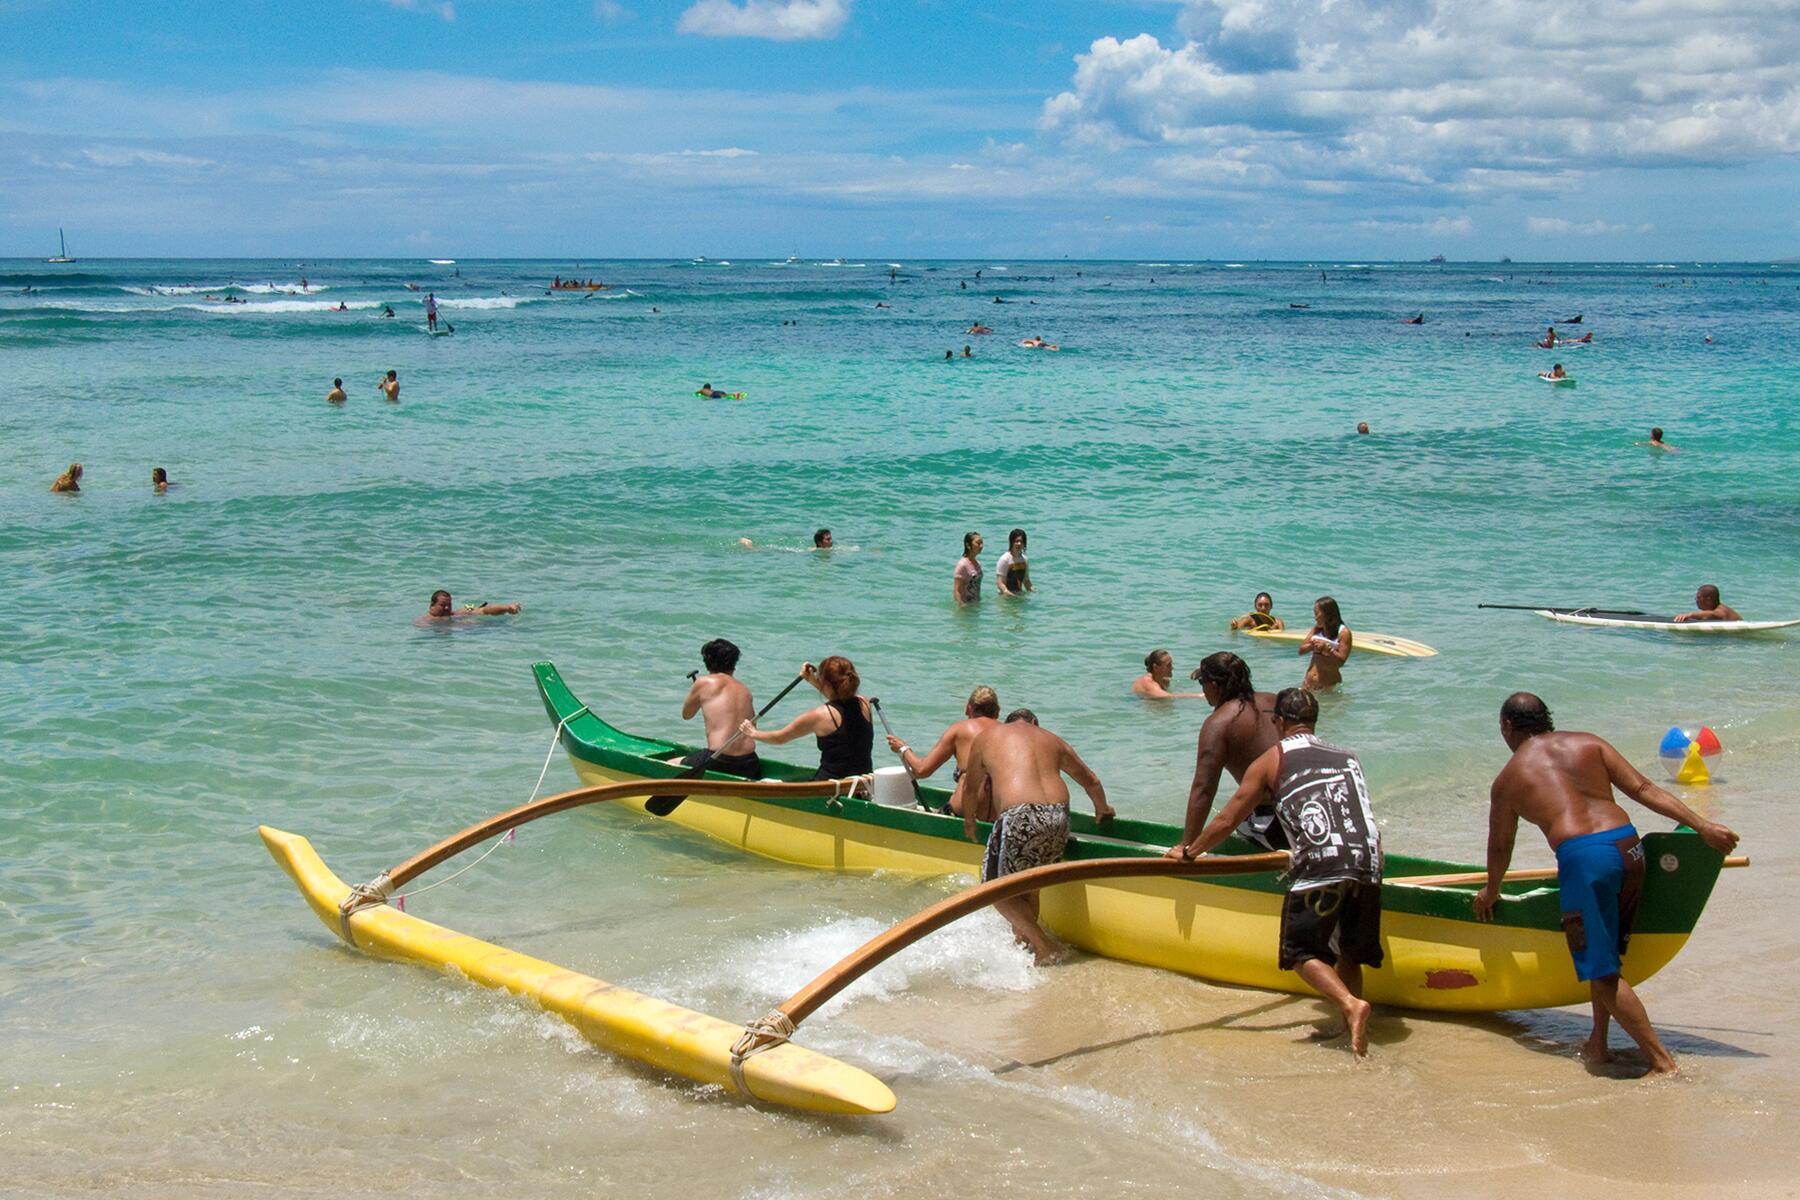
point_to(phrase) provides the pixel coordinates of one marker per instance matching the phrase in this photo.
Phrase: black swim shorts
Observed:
(1339, 919)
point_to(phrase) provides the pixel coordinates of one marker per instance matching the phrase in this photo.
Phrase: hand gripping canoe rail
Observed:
(756, 1060)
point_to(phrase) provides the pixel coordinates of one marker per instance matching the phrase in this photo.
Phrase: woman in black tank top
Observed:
(842, 725)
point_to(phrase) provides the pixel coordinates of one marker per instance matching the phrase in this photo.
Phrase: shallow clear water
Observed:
(183, 667)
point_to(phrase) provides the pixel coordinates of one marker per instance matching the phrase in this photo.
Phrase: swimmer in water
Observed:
(1261, 615)
(1362, 427)
(1656, 441)
(390, 387)
(1557, 372)
(968, 352)
(1329, 643)
(69, 480)
(159, 480)
(336, 394)
(1012, 572)
(1708, 607)
(1153, 684)
(978, 328)
(443, 609)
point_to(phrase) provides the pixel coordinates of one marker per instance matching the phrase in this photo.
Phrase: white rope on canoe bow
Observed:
(765, 1033)
(400, 900)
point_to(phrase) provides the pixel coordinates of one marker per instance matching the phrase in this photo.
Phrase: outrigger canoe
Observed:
(1438, 957)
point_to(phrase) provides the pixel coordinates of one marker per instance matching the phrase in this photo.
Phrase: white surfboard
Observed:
(1664, 626)
(1378, 643)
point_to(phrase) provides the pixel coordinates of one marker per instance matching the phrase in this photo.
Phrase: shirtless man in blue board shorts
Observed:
(1563, 783)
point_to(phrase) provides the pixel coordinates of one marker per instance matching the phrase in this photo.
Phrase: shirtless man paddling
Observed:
(980, 714)
(1024, 766)
(1563, 783)
(726, 704)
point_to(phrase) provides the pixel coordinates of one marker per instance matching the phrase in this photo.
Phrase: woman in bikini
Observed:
(1329, 643)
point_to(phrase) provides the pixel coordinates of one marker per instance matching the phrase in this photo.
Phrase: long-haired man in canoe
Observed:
(725, 702)
(1563, 783)
(980, 714)
(1021, 767)
(1240, 729)
(1331, 918)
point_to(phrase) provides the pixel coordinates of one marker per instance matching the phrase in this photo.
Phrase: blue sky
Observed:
(1619, 129)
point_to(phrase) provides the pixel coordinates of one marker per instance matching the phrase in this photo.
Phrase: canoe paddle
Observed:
(1623, 612)
(918, 792)
(662, 806)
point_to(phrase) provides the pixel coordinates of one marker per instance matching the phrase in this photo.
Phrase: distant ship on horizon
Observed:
(1437, 258)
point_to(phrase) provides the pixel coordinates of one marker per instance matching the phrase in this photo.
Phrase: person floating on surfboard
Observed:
(1708, 607)
(1260, 616)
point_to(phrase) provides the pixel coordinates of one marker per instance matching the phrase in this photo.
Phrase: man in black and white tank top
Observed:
(1331, 918)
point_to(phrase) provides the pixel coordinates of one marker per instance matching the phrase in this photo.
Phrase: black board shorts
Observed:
(744, 766)
(1326, 923)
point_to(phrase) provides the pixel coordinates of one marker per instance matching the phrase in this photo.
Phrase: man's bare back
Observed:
(1563, 783)
(1024, 764)
(1237, 732)
(725, 703)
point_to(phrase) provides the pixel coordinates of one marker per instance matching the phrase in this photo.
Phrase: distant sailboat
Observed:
(62, 257)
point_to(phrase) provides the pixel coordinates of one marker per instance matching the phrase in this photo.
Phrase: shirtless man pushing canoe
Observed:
(1024, 766)
(980, 714)
(1563, 783)
(1241, 727)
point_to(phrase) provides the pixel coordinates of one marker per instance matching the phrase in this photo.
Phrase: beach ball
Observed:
(1685, 750)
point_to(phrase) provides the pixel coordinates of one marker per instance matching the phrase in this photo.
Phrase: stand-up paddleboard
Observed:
(1379, 643)
(439, 332)
(1612, 619)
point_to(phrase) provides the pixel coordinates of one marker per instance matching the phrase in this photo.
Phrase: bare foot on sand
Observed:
(1595, 1054)
(1359, 1026)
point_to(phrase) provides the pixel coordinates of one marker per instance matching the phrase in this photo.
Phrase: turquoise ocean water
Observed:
(180, 668)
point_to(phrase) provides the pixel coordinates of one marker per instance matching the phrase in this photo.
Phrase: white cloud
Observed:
(612, 12)
(1437, 227)
(1447, 94)
(137, 156)
(442, 8)
(1563, 227)
(777, 20)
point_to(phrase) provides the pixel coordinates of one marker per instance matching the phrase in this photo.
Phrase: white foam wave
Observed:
(268, 307)
(483, 302)
(979, 953)
(179, 289)
(281, 289)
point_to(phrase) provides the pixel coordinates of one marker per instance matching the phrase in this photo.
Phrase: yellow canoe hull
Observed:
(617, 1019)
(1214, 932)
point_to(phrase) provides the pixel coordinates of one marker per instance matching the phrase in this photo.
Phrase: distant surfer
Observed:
(390, 387)
(1261, 615)
(709, 392)
(430, 311)
(387, 311)
(69, 480)
(1556, 372)
(965, 581)
(1329, 643)
(341, 307)
(1418, 320)
(1563, 783)
(1153, 684)
(978, 328)
(882, 304)
(1331, 915)
(1022, 767)
(1549, 342)
(981, 713)
(444, 609)
(726, 705)
(336, 394)
(1656, 441)
(1709, 607)
(1239, 729)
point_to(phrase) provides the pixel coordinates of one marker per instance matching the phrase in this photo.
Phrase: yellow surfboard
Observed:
(1378, 643)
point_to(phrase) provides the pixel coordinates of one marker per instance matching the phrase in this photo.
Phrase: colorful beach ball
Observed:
(1685, 750)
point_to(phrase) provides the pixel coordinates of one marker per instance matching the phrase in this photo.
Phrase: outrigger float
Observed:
(1115, 895)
